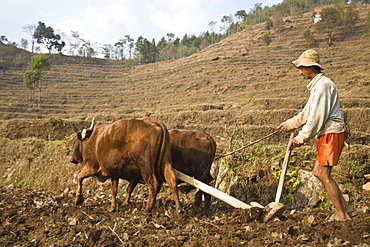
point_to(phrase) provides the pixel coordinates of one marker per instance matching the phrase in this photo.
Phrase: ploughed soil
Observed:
(40, 218)
(238, 90)
(37, 202)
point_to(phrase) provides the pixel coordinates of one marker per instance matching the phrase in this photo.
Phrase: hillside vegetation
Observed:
(238, 90)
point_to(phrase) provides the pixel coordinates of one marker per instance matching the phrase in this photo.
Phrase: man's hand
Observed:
(294, 143)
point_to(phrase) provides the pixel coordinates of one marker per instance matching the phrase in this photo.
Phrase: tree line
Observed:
(144, 50)
(340, 17)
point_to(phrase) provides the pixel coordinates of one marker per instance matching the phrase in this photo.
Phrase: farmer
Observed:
(321, 117)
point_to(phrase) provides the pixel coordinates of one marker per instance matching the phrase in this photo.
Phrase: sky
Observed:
(108, 21)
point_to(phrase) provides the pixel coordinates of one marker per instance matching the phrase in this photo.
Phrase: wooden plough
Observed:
(269, 211)
(215, 192)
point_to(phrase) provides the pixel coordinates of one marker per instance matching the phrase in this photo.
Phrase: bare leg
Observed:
(323, 173)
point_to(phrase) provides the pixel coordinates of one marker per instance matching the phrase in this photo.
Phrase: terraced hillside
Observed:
(238, 90)
(238, 80)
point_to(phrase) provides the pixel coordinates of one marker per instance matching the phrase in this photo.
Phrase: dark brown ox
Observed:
(137, 150)
(193, 152)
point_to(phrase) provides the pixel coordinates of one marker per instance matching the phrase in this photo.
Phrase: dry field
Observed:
(238, 90)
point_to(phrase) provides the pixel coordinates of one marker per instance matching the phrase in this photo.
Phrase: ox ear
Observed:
(75, 127)
(79, 137)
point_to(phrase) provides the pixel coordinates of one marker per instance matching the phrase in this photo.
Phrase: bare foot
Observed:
(342, 217)
(338, 217)
(347, 207)
(350, 210)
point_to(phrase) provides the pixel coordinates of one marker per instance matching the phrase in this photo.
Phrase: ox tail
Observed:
(164, 152)
(213, 146)
(164, 164)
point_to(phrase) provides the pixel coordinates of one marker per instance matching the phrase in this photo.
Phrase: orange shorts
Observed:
(329, 148)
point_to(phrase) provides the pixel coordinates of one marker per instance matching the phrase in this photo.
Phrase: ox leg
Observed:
(207, 197)
(207, 202)
(84, 173)
(153, 185)
(198, 198)
(131, 186)
(171, 179)
(113, 191)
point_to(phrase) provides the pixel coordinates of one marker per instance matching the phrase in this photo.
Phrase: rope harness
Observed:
(250, 144)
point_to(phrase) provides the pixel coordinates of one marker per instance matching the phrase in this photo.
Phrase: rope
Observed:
(250, 144)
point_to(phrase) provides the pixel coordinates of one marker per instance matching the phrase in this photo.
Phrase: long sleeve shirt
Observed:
(321, 114)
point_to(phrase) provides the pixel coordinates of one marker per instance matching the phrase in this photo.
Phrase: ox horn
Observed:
(75, 127)
(92, 123)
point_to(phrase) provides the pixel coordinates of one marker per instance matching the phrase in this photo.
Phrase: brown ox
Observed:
(137, 150)
(193, 152)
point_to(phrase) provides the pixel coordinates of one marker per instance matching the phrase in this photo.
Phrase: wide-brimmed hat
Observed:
(308, 58)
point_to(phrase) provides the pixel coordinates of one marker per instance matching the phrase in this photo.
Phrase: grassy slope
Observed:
(238, 84)
(251, 82)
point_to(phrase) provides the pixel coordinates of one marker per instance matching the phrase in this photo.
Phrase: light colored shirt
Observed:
(321, 114)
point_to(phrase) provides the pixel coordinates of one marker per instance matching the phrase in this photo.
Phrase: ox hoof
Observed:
(112, 209)
(198, 202)
(205, 211)
(180, 212)
(79, 200)
(147, 211)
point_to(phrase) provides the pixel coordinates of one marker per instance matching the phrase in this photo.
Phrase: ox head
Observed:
(82, 135)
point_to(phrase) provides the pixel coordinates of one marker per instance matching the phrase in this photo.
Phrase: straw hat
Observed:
(308, 58)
